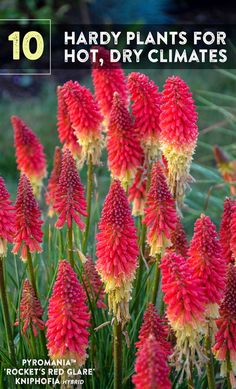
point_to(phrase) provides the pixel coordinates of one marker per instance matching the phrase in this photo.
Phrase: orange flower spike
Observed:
(53, 181)
(226, 326)
(68, 317)
(31, 311)
(70, 203)
(186, 301)
(207, 262)
(125, 154)
(7, 219)
(117, 251)
(153, 325)
(226, 167)
(160, 213)
(151, 366)
(85, 118)
(30, 155)
(138, 192)
(93, 283)
(179, 132)
(146, 110)
(226, 230)
(108, 79)
(65, 130)
(28, 234)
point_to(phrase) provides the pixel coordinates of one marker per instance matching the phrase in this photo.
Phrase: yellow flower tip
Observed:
(158, 244)
(119, 295)
(92, 145)
(82, 257)
(179, 161)
(212, 311)
(151, 147)
(3, 247)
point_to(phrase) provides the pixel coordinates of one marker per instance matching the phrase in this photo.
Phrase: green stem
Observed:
(141, 264)
(31, 271)
(209, 365)
(156, 282)
(70, 246)
(117, 331)
(89, 200)
(190, 379)
(6, 315)
(229, 368)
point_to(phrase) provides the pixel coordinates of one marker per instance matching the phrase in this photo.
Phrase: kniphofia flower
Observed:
(69, 203)
(30, 155)
(146, 110)
(108, 79)
(153, 325)
(151, 367)
(160, 213)
(232, 234)
(185, 298)
(31, 312)
(85, 118)
(117, 251)
(179, 243)
(227, 167)
(226, 230)
(207, 262)
(124, 151)
(179, 133)
(65, 129)
(7, 219)
(93, 283)
(68, 317)
(226, 334)
(28, 234)
(53, 181)
(138, 191)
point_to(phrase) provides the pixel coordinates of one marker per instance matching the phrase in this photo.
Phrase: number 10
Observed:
(15, 38)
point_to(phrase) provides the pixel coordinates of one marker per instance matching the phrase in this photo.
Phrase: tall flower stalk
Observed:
(117, 252)
(7, 231)
(69, 203)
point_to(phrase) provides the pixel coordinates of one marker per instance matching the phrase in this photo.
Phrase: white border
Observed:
(50, 49)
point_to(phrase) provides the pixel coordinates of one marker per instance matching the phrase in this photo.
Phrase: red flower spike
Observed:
(117, 251)
(226, 230)
(232, 235)
(207, 262)
(7, 219)
(85, 118)
(108, 79)
(179, 133)
(179, 243)
(30, 155)
(65, 130)
(93, 283)
(69, 203)
(153, 325)
(124, 151)
(151, 367)
(53, 181)
(160, 213)
(28, 223)
(146, 110)
(68, 317)
(31, 311)
(138, 192)
(186, 301)
(226, 334)
(226, 167)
